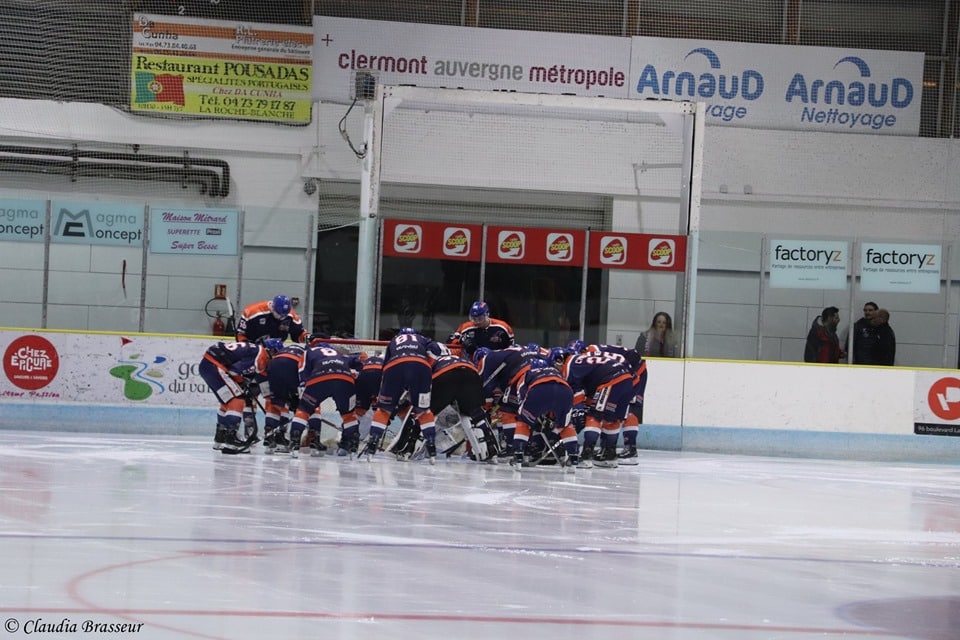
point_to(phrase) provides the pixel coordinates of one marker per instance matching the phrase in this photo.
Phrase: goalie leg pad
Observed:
(404, 444)
(476, 437)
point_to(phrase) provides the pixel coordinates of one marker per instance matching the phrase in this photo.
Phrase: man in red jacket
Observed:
(823, 345)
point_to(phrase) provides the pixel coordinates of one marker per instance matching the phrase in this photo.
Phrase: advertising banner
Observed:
(444, 56)
(22, 220)
(194, 231)
(97, 223)
(743, 84)
(909, 268)
(534, 245)
(808, 264)
(784, 87)
(937, 404)
(638, 251)
(103, 369)
(217, 68)
(438, 240)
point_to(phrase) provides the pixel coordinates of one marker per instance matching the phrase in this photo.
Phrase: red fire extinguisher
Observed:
(218, 325)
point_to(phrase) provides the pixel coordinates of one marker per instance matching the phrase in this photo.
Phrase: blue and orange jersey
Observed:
(469, 336)
(411, 347)
(283, 372)
(543, 375)
(321, 364)
(450, 362)
(634, 360)
(361, 362)
(243, 359)
(588, 371)
(502, 370)
(258, 321)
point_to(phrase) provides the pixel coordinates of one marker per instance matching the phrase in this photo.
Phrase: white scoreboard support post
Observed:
(464, 146)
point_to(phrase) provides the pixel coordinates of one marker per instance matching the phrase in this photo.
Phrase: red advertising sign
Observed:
(533, 245)
(639, 251)
(31, 362)
(437, 240)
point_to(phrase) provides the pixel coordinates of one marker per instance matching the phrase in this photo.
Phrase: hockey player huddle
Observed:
(568, 406)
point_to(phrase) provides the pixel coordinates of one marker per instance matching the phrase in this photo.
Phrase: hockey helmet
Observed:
(480, 354)
(576, 346)
(407, 331)
(540, 363)
(533, 347)
(557, 354)
(281, 305)
(479, 309)
(273, 345)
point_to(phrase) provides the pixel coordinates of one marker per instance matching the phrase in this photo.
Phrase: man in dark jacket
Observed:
(885, 350)
(865, 336)
(823, 345)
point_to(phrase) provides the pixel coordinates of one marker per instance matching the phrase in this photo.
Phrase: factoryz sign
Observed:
(534, 245)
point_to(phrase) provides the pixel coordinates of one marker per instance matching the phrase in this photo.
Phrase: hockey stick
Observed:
(245, 448)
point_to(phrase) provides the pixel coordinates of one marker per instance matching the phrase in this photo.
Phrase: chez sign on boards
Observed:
(534, 245)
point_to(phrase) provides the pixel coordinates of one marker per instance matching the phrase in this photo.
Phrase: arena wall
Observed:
(138, 383)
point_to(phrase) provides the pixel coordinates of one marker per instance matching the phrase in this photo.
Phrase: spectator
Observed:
(823, 345)
(886, 345)
(865, 336)
(658, 341)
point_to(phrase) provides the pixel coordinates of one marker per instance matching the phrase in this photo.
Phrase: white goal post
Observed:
(495, 153)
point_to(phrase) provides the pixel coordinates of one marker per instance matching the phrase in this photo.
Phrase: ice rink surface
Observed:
(179, 541)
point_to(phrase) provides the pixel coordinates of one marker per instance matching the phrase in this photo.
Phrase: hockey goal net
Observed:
(497, 159)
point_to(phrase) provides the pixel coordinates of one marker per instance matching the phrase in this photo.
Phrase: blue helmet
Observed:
(407, 331)
(273, 344)
(533, 346)
(540, 363)
(281, 305)
(576, 346)
(557, 353)
(480, 354)
(479, 309)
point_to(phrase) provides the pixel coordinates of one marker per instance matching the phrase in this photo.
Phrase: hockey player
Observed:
(481, 331)
(407, 369)
(368, 372)
(270, 319)
(282, 394)
(232, 371)
(631, 424)
(325, 373)
(545, 399)
(456, 382)
(501, 372)
(604, 384)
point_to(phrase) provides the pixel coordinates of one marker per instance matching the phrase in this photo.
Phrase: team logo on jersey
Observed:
(510, 245)
(31, 362)
(559, 247)
(406, 238)
(663, 252)
(456, 241)
(613, 250)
